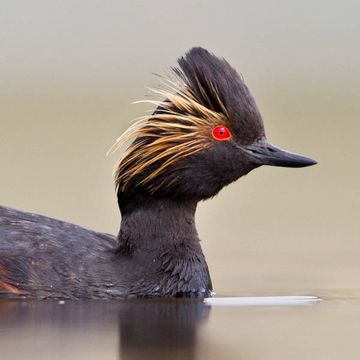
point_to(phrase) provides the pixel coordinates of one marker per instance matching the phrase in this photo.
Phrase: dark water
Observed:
(178, 330)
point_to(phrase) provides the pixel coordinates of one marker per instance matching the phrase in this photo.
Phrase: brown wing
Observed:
(7, 289)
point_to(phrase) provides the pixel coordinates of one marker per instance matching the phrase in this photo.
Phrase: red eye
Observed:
(221, 133)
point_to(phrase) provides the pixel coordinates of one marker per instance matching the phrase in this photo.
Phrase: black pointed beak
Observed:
(265, 153)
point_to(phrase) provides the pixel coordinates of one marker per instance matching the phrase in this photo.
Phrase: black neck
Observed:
(150, 222)
(159, 240)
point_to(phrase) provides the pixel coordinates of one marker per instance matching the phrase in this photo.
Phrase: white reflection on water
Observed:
(263, 301)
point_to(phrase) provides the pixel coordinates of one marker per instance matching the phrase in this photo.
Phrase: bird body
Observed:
(205, 133)
(43, 257)
(159, 255)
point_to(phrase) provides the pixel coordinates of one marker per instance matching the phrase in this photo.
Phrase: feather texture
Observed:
(180, 127)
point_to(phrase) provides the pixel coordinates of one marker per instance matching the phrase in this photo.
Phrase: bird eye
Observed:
(221, 133)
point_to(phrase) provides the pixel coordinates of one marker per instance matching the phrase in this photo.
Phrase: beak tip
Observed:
(308, 162)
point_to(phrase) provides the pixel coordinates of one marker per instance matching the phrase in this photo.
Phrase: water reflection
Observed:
(178, 330)
(160, 330)
(151, 329)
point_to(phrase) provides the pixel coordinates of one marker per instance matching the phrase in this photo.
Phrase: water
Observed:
(181, 329)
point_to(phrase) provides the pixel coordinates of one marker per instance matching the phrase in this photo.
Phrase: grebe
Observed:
(205, 133)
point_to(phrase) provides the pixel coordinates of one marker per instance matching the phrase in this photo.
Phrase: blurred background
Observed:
(70, 70)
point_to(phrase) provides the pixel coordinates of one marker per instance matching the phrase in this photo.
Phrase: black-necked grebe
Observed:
(207, 133)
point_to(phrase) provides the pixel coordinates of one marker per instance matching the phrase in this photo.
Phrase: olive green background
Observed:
(71, 69)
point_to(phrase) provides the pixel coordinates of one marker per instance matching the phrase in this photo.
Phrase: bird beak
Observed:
(265, 153)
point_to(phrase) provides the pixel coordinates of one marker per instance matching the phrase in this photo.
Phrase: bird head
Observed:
(205, 133)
